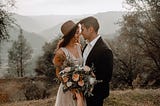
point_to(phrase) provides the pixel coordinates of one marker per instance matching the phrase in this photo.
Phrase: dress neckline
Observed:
(72, 53)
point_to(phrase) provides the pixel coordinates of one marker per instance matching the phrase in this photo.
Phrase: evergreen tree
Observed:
(44, 64)
(19, 55)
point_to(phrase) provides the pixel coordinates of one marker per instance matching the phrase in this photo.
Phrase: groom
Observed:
(97, 53)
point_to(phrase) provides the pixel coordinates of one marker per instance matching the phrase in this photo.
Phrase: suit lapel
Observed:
(93, 51)
(84, 48)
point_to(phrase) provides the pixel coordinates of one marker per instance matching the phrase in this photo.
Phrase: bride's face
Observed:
(76, 38)
(85, 32)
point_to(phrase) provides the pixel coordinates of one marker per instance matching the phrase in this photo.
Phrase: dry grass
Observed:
(136, 97)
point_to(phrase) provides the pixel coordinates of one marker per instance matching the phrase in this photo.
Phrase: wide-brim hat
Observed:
(67, 27)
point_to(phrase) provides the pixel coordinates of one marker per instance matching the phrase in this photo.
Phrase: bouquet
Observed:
(79, 78)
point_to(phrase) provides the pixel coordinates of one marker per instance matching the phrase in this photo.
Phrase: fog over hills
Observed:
(48, 26)
(34, 40)
(109, 22)
(108, 25)
(37, 24)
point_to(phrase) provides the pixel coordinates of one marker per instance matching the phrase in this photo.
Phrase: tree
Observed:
(127, 62)
(19, 55)
(44, 64)
(5, 20)
(141, 28)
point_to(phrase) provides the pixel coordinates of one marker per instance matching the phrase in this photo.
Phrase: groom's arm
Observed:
(108, 64)
(104, 65)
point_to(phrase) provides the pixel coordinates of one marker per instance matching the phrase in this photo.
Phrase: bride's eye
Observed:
(77, 32)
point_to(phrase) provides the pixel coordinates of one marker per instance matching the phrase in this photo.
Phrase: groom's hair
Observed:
(90, 21)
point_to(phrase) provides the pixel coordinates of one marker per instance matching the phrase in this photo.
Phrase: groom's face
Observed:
(85, 32)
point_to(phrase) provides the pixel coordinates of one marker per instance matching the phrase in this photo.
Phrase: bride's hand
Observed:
(80, 100)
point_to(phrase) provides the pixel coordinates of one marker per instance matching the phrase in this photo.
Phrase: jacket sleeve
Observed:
(104, 65)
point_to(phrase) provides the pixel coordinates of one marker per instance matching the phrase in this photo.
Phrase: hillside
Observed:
(137, 97)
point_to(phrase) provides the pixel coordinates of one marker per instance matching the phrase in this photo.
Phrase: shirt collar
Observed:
(92, 43)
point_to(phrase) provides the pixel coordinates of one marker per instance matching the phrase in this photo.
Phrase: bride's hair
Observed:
(66, 38)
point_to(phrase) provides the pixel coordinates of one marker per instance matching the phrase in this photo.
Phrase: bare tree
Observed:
(141, 30)
(127, 61)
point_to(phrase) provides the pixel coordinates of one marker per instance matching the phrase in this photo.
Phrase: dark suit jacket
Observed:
(102, 59)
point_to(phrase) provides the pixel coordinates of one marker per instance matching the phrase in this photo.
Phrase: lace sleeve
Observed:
(59, 58)
(58, 61)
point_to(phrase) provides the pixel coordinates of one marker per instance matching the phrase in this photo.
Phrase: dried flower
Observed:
(67, 69)
(78, 78)
(65, 79)
(81, 83)
(75, 77)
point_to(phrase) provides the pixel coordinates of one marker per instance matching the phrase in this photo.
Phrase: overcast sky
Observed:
(67, 7)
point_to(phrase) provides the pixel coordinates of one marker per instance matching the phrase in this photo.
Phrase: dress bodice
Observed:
(66, 99)
(71, 60)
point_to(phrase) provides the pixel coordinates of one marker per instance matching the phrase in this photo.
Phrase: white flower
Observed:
(80, 68)
(86, 68)
(69, 84)
(92, 80)
(67, 69)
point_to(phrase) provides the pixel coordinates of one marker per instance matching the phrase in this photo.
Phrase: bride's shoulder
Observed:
(60, 52)
(59, 57)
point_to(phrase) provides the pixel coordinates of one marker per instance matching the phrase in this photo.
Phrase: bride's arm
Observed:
(80, 99)
(58, 61)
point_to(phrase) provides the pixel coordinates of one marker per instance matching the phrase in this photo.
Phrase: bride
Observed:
(68, 50)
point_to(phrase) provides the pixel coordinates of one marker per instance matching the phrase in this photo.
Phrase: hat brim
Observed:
(73, 28)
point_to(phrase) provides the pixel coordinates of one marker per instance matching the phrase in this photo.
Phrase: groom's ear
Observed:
(91, 29)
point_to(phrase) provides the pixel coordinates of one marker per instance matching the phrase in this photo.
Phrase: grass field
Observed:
(136, 97)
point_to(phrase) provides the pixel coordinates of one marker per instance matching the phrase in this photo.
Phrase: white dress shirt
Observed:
(88, 49)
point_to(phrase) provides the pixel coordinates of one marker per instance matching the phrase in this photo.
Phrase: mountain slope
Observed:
(107, 21)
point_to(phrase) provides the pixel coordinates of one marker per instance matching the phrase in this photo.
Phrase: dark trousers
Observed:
(92, 101)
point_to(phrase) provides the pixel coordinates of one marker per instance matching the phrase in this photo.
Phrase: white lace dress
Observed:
(66, 99)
